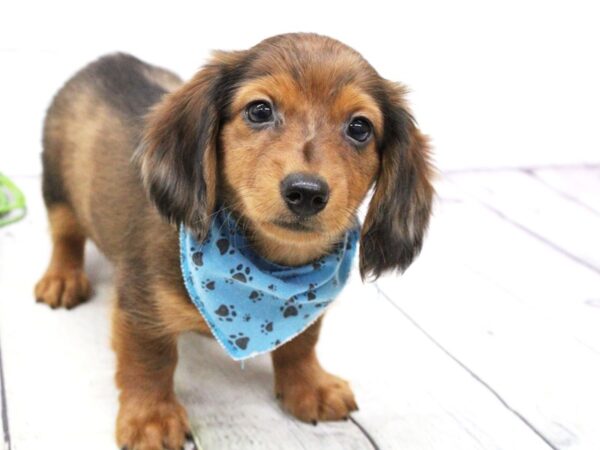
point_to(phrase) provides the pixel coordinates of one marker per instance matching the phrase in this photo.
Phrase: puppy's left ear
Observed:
(399, 211)
(177, 155)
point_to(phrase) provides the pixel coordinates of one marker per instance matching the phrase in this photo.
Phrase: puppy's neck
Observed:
(288, 253)
(276, 247)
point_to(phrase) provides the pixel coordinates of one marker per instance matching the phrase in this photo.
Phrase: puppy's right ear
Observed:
(177, 155)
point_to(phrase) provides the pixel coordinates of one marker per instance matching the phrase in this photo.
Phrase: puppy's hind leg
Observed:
(64, 283)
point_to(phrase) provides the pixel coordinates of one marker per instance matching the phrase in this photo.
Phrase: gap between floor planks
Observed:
(334, 350)
(565, 429)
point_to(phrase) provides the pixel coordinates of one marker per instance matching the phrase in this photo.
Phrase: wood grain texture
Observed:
(579, 185)
(61, 394)
(516, 312)
(521, 199)
(411, 394)
(396, 373)
(540, 278)
(233, 407)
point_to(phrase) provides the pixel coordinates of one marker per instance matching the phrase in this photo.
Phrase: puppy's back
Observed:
(91, 130)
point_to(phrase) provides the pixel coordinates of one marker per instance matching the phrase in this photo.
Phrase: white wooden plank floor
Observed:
(491, 340)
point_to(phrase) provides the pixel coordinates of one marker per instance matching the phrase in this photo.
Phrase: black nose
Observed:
(305, 195)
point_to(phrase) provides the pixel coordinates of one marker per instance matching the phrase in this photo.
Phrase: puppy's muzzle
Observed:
(305, 195)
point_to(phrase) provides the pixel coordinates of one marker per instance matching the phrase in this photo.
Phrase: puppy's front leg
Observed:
(150, 417)
(305, 389)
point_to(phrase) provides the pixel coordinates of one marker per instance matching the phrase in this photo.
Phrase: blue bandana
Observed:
(252, 305)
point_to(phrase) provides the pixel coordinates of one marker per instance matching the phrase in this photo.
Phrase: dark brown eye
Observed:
(259, 112)
(359, 129)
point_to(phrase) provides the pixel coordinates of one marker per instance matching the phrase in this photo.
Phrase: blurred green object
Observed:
(12, 202)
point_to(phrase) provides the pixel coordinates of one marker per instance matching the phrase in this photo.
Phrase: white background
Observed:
(499, 315)
(494, 85)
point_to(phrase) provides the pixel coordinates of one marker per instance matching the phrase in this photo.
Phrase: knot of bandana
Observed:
(253, 305)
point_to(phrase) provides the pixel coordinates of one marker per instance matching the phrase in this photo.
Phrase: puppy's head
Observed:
(294, 132)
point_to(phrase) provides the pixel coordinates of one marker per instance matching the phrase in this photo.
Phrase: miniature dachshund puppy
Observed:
(131, 152)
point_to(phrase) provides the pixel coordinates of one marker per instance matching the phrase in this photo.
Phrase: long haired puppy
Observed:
(288, 137)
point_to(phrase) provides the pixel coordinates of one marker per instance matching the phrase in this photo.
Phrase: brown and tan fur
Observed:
(131, 152)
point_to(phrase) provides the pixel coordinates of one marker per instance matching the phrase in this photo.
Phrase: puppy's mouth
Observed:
(295, 226)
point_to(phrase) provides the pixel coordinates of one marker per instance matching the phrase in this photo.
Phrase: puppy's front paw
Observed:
(315, 395)
(152, 425)
(66, 288)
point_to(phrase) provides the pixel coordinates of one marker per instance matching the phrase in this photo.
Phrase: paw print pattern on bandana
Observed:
(223, 245)
(252, 305)
(197, 258)
(208, 285)
(256, 296)
(241, 273)
(339, 251)
(318, 264)
(226, 313)
(290, 308)
(266, 327)
(240, 340)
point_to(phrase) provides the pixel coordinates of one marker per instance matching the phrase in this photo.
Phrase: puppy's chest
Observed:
(252, 305)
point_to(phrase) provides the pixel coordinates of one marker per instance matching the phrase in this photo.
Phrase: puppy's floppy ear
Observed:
(177, 155)
(399, 211)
